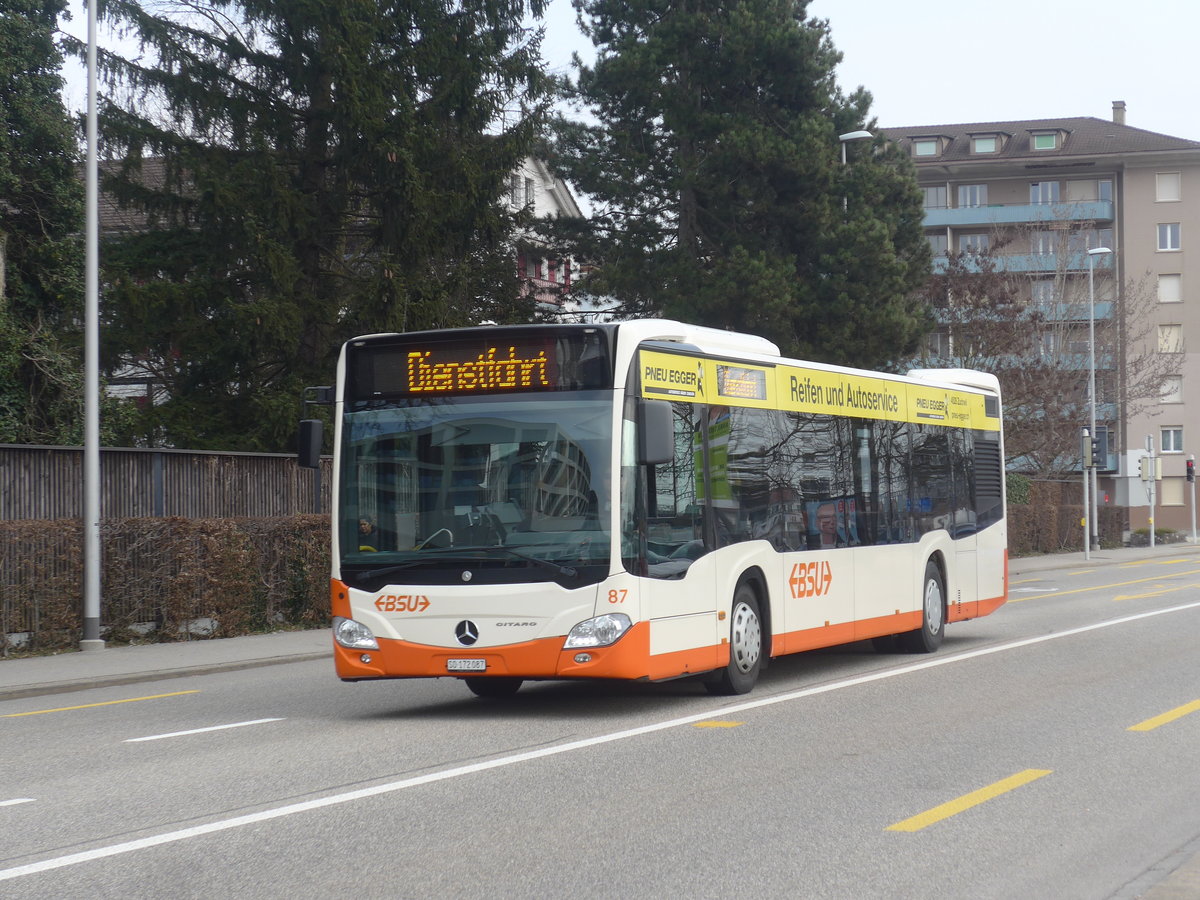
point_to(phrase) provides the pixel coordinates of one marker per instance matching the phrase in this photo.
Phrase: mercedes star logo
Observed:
(466, 632)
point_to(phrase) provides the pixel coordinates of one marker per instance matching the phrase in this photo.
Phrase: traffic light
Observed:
(1191, 470)
(1096, 454)
(1145, 468)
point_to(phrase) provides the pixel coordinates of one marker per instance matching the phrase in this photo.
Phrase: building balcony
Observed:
(1074, 312)
(1033, 263)
(1020, 214)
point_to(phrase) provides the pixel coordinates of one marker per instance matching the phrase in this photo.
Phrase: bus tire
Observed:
(745, 646)
(928, 637)
(493, 688)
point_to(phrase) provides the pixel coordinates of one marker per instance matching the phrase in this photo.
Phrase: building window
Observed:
(972, 243)
(1170, 338)
(938, 243)
(1045, 242)
(1045, 142)
(925, 147)
(1104, 189)
(529, 193)
(972, 195)
(533, 267)
(1044, 192)
(1170, 288)
(1089, 239)
(937, 345)
(983, 144)
(1170, 491)
(514, 190)
(1171, 439)
(1171, 389)
(1168, 236)
(1043, 292)
(935, 197)
(1168, 187)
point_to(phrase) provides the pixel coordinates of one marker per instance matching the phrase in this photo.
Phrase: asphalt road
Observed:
(1050, 750)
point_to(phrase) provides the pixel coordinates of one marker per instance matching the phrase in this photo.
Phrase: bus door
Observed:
(676, 533)
(962, 600)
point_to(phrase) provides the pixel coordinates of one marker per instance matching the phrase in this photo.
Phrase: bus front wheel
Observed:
(745, 646)
(493, 688)
(928, 637)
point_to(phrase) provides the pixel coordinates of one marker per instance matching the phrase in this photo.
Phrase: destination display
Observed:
(537, 361)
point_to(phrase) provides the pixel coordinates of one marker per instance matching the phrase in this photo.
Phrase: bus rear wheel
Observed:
(493, 688)
(928, 637)
(745, 646)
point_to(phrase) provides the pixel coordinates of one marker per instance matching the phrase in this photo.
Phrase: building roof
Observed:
(1083, 136)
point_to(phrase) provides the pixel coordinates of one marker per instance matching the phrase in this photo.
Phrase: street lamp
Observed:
(845, 139)
(1094, 512)
(91, 365)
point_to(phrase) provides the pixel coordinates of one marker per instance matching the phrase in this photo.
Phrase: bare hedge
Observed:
(164, 579)
(1051, 521)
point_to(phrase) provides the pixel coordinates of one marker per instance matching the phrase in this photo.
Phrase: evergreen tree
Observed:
(41, 217)
(712, 160)
(296, 172)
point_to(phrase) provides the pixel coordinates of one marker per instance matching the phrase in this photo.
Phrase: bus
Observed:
(649, 500)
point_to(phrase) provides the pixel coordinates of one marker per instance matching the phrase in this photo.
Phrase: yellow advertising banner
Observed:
(668, 376)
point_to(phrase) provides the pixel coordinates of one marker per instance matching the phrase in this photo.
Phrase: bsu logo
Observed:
(402, 603)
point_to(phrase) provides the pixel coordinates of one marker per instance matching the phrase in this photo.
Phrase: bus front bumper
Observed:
(544, 658)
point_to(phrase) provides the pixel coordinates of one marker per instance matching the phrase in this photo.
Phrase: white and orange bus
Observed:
(649, 500)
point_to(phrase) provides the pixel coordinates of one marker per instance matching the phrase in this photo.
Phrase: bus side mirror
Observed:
(655, 432)
(308, 443)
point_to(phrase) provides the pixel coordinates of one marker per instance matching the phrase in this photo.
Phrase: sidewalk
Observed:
(1118, 556)
(74, 670)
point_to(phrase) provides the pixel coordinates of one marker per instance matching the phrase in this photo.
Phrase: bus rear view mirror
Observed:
(309, 443)
(656, 432)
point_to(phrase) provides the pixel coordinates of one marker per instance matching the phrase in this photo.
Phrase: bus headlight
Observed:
(598, 632)
(354, 635)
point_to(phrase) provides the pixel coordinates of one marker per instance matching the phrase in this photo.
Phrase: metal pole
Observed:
(1152, 488)
(91, 381)
(1087, 542)
(1093, 511)
(1192, 458)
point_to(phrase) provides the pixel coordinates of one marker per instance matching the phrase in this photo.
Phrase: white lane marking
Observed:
(159, 737)
(266, 815)
(16, 801)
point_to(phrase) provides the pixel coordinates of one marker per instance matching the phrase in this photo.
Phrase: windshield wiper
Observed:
(567, 571)
(450, 554)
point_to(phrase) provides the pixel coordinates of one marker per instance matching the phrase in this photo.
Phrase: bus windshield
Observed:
(495, 489)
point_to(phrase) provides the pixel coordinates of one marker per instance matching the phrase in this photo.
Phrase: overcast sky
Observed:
(942, 63)
(933, 62)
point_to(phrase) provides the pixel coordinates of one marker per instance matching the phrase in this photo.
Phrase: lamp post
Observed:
(91, 378)
(845, 139)
(1093, 513)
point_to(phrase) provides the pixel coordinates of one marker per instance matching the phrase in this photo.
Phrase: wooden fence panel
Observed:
(38, 482)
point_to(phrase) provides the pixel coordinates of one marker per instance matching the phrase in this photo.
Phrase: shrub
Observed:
(165, 579)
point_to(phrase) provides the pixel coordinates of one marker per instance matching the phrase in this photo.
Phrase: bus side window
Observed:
(675, 515)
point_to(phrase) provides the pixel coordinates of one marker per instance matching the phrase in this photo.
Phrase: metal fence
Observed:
(41, 482)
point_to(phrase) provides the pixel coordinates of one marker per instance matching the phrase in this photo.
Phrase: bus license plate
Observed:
(466, 665)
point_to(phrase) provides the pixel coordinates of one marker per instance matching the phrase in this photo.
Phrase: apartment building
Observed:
(1051, 190)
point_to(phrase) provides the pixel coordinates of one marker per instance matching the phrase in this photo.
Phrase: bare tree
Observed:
(1029, 325)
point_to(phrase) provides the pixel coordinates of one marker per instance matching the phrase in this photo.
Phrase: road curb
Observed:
(42, 689)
